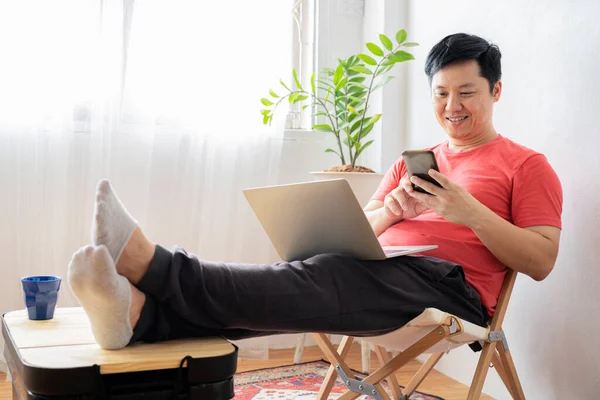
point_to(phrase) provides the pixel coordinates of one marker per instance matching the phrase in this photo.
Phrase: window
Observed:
(202, 66)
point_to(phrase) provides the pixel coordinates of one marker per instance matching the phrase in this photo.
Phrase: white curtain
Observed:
(162, 98)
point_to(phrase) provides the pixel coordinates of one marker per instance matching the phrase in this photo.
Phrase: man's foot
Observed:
(112, 304)
(112, 225)
(114, 228)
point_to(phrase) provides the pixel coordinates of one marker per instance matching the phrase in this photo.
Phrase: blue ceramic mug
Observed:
(41, 294)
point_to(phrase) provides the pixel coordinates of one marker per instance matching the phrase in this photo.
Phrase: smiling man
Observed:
(499, 207)
(500, 203)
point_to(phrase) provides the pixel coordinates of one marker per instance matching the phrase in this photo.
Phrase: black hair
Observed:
(462, 47)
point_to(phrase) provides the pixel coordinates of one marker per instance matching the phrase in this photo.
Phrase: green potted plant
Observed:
(339, 98)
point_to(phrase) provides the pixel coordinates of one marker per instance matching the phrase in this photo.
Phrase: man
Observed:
(499, 207)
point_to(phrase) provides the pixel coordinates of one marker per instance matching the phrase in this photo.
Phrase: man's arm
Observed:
(531, 250)
(377, 217)
(396, 206)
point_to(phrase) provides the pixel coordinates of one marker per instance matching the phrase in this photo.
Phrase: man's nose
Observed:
(453, 104)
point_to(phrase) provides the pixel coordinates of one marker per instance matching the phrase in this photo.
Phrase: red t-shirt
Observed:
(515, 182)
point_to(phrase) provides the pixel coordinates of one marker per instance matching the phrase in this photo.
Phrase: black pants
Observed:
(187, 297)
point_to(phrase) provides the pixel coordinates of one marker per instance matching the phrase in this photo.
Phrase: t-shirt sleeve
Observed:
(390, 180)
(537, 196)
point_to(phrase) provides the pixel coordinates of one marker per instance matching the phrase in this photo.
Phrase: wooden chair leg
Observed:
(422, 373)
(365, 350)
(511, 372)
(439, 333)
(481, 372)
(384, 358)
(331, 375)
(501, 370)
(299, 348)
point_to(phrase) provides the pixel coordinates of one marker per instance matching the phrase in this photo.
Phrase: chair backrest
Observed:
(503, 298)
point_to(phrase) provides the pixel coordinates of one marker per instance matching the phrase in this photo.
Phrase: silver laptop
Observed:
(310, 218)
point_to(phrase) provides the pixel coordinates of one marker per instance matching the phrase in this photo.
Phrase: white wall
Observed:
(551, 103)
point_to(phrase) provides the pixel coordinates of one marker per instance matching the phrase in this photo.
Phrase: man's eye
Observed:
(440, 94)
(466, 93)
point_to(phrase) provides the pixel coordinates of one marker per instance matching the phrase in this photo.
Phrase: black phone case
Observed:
(418, 163)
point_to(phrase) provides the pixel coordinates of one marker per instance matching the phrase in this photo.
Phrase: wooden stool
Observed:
(59, 359)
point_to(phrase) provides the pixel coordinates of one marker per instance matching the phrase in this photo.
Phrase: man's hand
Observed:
(398, 204)
(452, 202)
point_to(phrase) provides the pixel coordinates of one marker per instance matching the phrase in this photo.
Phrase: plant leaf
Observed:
(266, 119)
(294, 97)
(382, 82)
(401, 56)
(356, 103)
(410, 44)
(385, 41)
(284, 85)
(366, 131)
(367, 59)
(302, 97)
(344, 126)
(332, 151)
(266, 102)
(357, 79)
(339, 72)
(355, 126)
(357, 85)
(298, 85)
(401, 36)
(373, 48)
(304, 107)
(388, 61)
(339, 99)
(374, 119)
(341, 83)
(357, 92)
(362, 148)
(353, 60)
(272, 93)
(326, 83)
(265, 112)
(352, 110)
(384, 70)
(312, 83)
(323, 127)
(362, 69)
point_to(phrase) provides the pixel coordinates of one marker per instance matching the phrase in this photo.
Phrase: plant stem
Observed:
(335, 129)
(333, 124)
(347, 122)
(362, 122)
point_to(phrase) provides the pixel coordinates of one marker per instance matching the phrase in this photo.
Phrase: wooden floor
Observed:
(437, 383)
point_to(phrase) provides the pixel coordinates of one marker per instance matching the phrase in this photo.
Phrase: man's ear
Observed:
(497, 91)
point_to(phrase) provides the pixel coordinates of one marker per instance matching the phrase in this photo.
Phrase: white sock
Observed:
(104, 295)
(112, 225)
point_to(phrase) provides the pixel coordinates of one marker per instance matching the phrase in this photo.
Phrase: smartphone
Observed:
(418, 163)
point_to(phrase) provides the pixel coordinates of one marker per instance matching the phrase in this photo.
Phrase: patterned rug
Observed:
(300, 381)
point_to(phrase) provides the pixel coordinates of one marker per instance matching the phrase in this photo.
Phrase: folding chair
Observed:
(432, 332)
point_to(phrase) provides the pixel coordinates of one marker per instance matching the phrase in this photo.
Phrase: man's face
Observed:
(462, 100)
